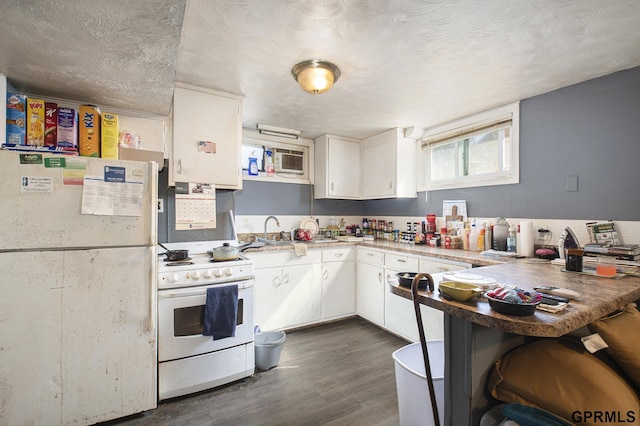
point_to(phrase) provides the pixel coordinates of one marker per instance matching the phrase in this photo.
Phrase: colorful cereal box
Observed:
(16, 118)
(67, 129)
(50, 124)
(110, 136)
(89, 131)
(35, 122)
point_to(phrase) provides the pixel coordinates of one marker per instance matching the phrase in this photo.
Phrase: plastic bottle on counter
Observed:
(481, 233)
(488, 238)
(473, 238)
(465, 238)
(511, 240)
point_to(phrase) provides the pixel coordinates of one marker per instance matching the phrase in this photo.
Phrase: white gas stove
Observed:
(199, 268)
(188, 361)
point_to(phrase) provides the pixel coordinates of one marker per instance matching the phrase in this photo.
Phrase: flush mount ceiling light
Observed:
(315, 76)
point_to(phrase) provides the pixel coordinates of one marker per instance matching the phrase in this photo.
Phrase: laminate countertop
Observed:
(599, 296)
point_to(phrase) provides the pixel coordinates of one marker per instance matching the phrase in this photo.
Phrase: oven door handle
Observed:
(197, 291)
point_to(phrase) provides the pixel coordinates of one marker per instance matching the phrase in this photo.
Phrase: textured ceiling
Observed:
(403, 62)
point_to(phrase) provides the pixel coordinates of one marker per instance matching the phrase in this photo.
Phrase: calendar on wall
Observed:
(195, 206)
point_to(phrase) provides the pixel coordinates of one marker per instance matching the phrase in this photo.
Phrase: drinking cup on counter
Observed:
(606, 266)
(573, 260)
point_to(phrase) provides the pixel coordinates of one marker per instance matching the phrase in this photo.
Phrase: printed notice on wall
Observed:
(195, 206)
(111, 198)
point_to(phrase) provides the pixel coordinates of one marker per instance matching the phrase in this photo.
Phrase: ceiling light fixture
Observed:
(315, 76)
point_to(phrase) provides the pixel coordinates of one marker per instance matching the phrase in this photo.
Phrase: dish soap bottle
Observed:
(253, 165)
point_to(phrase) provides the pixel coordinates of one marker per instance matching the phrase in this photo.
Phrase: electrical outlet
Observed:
(160, 205)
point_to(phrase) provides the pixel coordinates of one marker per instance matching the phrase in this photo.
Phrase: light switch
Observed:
(572, 184)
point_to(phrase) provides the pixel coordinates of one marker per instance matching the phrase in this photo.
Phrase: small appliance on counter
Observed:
(568, 240)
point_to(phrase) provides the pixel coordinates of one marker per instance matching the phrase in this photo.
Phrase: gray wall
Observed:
(589, 130)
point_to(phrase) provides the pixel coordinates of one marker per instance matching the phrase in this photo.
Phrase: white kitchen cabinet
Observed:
(288, 290)
(399, 314)
(432, 265)
(338, 283)
(78, 348)
(371, 284)
(337, 167)
(203, 115)
(388, 166)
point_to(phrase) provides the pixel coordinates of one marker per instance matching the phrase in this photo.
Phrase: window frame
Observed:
(254, 138)
(455, 131)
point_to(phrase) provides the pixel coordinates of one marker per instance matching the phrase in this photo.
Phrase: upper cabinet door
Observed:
(207, 116)
(388, 166)
(337, 167)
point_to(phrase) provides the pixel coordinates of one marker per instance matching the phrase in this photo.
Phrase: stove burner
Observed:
(222, 261)
(184, 261)
(179, 263)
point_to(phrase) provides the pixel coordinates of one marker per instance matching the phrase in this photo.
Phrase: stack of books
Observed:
(619, 251)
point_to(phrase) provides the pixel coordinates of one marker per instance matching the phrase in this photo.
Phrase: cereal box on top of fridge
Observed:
(67, 129)
(35, 122)
(110, 133)
(16, 118)
(50, 124)
(89, 131)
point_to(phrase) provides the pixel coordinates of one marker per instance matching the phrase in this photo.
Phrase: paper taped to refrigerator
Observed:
(111, 198)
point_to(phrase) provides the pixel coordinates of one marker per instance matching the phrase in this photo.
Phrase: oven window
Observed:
(189, 321)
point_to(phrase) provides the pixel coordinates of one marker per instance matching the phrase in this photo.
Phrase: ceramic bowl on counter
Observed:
(459, 291)
(512, 308)
(406, 278)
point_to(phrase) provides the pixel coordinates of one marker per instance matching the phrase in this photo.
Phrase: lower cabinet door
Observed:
(338, 289)
(370, 292)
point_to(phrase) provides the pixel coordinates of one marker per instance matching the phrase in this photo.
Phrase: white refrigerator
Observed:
(78, 288)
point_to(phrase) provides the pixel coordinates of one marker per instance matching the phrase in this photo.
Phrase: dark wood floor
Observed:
(340, 373)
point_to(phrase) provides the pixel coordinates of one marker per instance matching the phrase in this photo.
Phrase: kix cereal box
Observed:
(35, 122)
(89, 131)
(16, 119)
(50, 124)
(67, 129)
(110, 135)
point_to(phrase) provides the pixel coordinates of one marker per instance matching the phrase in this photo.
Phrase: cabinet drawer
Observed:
(283, 258)
(370, 256)
(337, 254)
(401, 262)
(433, 266)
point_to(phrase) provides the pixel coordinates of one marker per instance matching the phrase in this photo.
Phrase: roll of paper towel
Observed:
(527, 238)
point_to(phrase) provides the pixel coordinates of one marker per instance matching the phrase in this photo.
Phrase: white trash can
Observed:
(268, 348)
(414, 402)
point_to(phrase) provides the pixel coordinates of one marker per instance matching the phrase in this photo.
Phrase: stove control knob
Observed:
(195, 275)
(217, 272)
(208, 273)
(228, 272)
(173, 278)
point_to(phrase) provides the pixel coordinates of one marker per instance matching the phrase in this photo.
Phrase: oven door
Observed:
(180, 321)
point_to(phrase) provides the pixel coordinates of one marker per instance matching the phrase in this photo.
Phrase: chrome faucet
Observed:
(265, 225)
